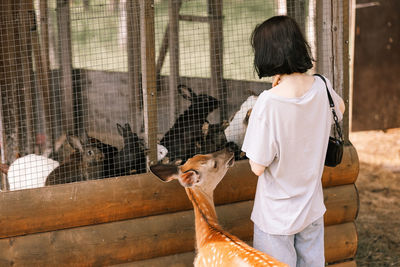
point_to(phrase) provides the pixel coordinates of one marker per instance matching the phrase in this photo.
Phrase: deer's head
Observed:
(205, 171)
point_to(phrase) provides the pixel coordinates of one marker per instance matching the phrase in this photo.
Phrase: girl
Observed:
(286, 143)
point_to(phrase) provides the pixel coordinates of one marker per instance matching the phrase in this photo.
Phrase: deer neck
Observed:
(206, 221)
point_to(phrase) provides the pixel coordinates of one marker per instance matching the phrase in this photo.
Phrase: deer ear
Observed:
(189, 178)
(165, 172)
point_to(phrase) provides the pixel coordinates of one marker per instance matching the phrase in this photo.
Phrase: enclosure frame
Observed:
(105, 206)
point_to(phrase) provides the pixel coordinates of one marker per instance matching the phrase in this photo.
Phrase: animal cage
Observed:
(94, 92)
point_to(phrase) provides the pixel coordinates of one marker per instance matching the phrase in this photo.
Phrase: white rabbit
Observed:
(162, 151)
(236, 130)
(30, 171)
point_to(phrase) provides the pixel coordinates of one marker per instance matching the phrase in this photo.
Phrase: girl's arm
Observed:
(256, 168)
(342, 107)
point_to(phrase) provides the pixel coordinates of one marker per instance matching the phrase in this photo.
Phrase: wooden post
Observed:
(24, 24)
(65, 55)
(41, 66)
(173, 13)
(8, 81)
(344, 30)
(3, 177)
(216, 53)
(324, 39)
(149, 85)
(163, 52)
(49, 105)
(134, 65)
(297, 10)
(352, 21)
(333, 49)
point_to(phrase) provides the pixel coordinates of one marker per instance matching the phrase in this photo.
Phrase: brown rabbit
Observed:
(86, 163)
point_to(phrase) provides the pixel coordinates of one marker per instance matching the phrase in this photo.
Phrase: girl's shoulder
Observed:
(263, 102)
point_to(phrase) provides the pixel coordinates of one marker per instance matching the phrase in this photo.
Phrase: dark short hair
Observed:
(280, 48)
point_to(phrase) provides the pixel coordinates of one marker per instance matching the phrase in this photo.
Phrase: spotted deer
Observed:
(215, 247)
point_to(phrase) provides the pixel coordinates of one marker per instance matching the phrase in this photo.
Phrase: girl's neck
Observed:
(292, 85)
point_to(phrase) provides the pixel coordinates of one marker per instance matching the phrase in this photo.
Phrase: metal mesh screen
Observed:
(90, 91)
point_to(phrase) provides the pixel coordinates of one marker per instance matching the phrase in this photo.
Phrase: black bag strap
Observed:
(332, 106)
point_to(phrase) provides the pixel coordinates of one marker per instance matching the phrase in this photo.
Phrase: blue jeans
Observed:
(304, 249)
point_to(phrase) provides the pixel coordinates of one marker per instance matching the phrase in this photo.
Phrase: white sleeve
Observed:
(258, 142)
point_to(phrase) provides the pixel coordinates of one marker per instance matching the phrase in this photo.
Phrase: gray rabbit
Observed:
(86, 163)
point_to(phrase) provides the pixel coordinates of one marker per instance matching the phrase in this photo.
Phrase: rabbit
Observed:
(213, 138)
(86, 163)
(110, 153)
(132, 157)
(30, 171)
(162, 151)
(236, 130)
(181, 138)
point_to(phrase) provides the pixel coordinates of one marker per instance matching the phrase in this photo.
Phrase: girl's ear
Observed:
(186, 92)
(165, 172)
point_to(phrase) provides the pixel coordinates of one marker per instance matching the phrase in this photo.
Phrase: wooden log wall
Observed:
(142, 220)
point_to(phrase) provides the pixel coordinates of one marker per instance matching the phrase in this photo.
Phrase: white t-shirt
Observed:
(290, 137)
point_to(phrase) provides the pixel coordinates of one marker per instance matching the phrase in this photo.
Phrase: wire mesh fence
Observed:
(90, 90)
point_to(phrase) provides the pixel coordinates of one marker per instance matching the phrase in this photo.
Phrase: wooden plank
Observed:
(146, 238)
(118, 242)
(162, 52)
(85, 203)
(216, 53)
(65, 55)
(342, 204)
(344, 39)
(42, 72)
(297, 10)
(340, 60)
(8, 82)
(346, 172)
(186, 260)
(149, 78)
(333, 47)
(324, 40)
(193, 18)
(49, 104)
(25, 25)
(344, 264)
(173, 15)
(134, 64)
(340, 242)
(176, 260)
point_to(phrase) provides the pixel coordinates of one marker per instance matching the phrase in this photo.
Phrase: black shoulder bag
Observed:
(334, 153)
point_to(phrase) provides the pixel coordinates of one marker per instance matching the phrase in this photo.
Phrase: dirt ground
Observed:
(378, 183)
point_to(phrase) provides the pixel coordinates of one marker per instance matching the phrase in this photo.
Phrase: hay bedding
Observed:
(378, 183)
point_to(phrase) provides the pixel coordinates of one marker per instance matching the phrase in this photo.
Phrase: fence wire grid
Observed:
(74, 90)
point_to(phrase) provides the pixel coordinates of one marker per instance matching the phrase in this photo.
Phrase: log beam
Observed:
(146, 238)
(85, 203)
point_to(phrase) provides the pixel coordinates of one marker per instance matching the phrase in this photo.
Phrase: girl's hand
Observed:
(276, 80)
